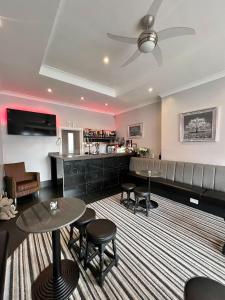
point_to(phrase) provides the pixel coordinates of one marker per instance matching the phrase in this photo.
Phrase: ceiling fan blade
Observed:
(136, 54)
(157, 53)
(174, 32)
(122, 39)
(153, 10)
(8, 19)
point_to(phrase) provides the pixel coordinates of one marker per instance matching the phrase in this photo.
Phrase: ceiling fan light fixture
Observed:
(147, 41)
(147, 46)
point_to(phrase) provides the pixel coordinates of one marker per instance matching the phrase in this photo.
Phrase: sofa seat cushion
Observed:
(189, 188)
(136, 174)
(214, 197)
(26, 185)
(162, 180)
(180, 186)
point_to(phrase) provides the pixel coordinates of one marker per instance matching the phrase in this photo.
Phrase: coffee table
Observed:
(60, 278)
(149, 174)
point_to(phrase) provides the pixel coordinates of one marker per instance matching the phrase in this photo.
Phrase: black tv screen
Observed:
(21, 122)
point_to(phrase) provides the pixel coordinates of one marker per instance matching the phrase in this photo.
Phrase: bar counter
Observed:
(85, 174)
(68, 157)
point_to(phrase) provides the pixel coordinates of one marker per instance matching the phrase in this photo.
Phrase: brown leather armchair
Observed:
(20, 183)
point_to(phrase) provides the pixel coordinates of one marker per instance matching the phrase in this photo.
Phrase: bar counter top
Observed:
(68, 157)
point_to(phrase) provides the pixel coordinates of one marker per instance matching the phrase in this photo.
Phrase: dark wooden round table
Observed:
(60, 278)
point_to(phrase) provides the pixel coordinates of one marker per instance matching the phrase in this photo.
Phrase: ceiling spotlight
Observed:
(150, 90)
(106, 60)
(82, 98)
(106, 104)
(49, 90)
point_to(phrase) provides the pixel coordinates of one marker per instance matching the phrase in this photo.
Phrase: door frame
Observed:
(71, 129)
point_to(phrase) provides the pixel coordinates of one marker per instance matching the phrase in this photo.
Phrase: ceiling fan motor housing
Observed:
(147, 41)
(148, 21)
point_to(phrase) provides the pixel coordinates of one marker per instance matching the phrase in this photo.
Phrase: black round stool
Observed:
(142, 193)
(98, 234)
(204, 288)
(127, 188)
(81, 224)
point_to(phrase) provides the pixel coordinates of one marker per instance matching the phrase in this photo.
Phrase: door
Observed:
(71, 141)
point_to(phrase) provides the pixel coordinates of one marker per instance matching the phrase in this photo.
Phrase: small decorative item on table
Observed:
(53, 205)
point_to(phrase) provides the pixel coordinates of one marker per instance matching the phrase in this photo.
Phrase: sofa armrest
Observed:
(34, 176)
(10, 183)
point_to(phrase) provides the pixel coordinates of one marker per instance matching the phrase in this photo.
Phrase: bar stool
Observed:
(127, 188)
(203, 288)
(81, 224)
(142, 193)
(99, 234)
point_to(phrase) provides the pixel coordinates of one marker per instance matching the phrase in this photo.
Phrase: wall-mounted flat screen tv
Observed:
(21, 122)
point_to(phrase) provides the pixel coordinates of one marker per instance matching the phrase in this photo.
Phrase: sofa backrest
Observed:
(206, 176)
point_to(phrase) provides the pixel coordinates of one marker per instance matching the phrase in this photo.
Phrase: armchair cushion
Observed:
(26, 185)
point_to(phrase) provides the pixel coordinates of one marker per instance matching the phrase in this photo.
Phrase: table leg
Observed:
(223, 250)
(149, 184)
(152, 204)
(59, 279)
(56, 254)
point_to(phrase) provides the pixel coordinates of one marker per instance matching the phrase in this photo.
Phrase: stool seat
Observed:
(101, 231)
(142, 191)
(128, 186)
(204, 288)
(86, 218)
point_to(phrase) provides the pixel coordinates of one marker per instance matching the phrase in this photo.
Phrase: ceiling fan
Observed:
(148, 41)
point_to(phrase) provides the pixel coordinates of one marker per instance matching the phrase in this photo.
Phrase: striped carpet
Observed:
(157, 254)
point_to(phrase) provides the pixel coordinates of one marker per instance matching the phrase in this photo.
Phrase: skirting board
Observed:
(47, 183)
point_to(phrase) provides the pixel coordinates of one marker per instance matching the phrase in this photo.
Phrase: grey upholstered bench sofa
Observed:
(198, 185)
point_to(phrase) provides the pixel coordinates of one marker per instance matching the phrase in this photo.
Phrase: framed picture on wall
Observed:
(198, 126)
(135, 131)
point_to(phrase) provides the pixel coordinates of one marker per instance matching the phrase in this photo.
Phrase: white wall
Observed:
(150, 115)
(204, 96)
(34, 150)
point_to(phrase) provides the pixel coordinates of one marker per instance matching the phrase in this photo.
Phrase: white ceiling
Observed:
(61, 44)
